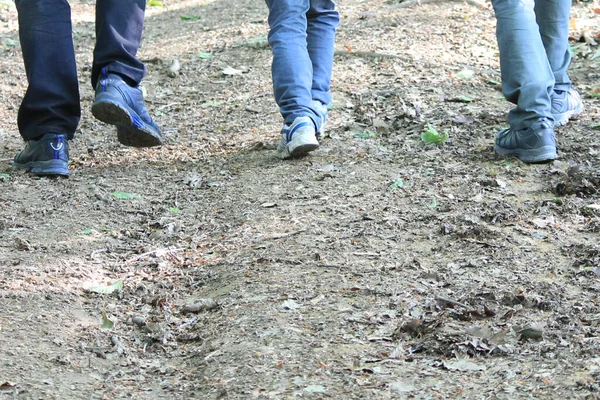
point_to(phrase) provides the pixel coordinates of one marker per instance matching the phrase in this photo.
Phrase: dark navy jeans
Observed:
(51, 103)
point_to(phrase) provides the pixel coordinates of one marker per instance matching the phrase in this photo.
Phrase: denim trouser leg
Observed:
(527, 79)
(553, 20)
(302, 36)
(119, 25)
(322, 21)
(51, 103)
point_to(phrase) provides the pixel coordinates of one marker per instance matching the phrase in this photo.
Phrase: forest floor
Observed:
(380, 266)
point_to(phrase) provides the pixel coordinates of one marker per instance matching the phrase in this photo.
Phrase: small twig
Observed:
(453, 302)
(367, 254)
(158, 252)
(483, 243)
(167, 106)
(371, 54)
(209, 356)
(258, 44)
(98, 252)
(284, 235)
(358, 321)
(252, 110)
(192, 321)
(588, 339)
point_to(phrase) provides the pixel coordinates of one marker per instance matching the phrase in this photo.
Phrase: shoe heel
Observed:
(302, 149)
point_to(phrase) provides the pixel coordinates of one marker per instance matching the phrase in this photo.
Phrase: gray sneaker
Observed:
(535, 144)
(298, 139)
(565, 105)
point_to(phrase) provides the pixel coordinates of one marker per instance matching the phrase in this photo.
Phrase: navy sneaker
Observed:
(48, 156)
(122, 105)
(535, 144)
(298, 139)
(565, 105)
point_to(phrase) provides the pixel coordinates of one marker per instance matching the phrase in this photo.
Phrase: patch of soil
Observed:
(378, 267)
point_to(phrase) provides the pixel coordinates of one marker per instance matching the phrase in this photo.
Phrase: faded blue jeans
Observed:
(533, 38)
(302, 38)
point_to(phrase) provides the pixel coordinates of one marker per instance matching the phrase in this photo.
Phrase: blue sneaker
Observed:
(122, 105)
(565, 105)
(298, 139)
(48, 156)
(535, 144)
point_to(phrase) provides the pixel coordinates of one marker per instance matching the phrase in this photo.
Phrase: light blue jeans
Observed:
(533, 38)
(302, 38)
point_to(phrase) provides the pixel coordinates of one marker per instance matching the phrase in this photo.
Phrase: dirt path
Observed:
(379, 267)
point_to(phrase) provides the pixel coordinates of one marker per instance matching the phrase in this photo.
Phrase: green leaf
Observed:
(118, 285)
(10, 42)
(204, 56)
(365, 135)
(107, 323)
(86, 232)
(189, 17)
(593, 126)
(155, 3)
(466, 74)
(431, 135)
(174, 210)
(4, 177)
(6, 4)
(466, 99)
(573, 49)
(398, 184)
(126, 196)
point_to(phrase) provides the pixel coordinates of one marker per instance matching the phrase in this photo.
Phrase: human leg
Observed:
(292, 74)
(527, 82)
(50, 110)
(116, 73)
(322, 21)
(51, 103)
(291, 69)
(119, 26)
(553, 20)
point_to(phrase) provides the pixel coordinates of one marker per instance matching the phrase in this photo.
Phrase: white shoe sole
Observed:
(300, 146)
